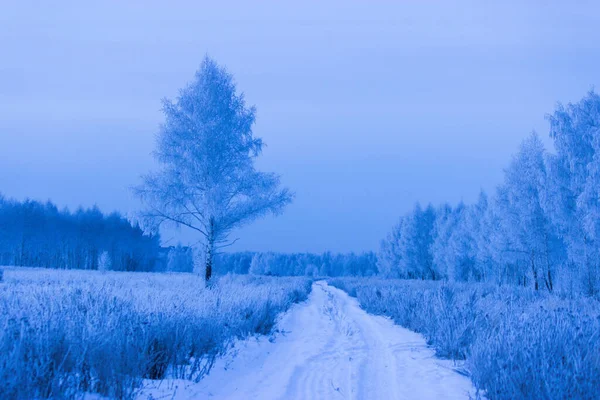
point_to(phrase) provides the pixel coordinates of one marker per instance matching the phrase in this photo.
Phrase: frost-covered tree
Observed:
(261, 264)
(40, 235)
(471, 239)
(406, 252)
(456, 240)
(326, 264)
(573, 202)
(485, 225)
(542, 226)
(237, 263)
(180, 259)
(206, 149)
(418, 232)
(104, 262)
(390, 252)
(443, 230)
(529, 235)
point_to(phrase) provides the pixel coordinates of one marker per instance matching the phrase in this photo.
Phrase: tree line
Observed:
(540, 228)
(36, 234)
(308, 264)
(181, 259)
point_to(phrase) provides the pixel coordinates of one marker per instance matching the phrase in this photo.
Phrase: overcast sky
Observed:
(366, 107)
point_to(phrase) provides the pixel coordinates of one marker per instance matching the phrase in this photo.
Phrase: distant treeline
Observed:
(180, 259)
(38, 234)
(541, 227)
(298, 264)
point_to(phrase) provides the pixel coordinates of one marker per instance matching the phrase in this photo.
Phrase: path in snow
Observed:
(328, 348)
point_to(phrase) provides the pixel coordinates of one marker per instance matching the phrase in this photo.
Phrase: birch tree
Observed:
(529, 232)
(206, 150)
(574, 178)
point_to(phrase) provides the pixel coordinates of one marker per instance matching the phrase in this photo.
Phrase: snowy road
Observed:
(329, 348)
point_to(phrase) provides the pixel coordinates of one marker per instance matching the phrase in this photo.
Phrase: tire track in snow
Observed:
(328, 348)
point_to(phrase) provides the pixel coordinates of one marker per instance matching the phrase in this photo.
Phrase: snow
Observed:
(326, 348)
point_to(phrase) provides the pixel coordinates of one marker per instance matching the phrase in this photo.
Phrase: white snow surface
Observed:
(326, 348)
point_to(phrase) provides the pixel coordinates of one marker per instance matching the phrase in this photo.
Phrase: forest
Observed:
(539, 229)
(35, 234)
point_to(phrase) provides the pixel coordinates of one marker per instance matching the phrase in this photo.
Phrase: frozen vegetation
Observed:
(540, 229)
(298, 264)
(518, 272)
(36, 234)
(327, 348)
(64, 333)
(519, 269)
(516, 343)
(206, 180)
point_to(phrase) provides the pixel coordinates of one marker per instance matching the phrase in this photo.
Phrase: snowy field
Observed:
(327, 348)
(153, 336)
(516, 343)
(65, 333)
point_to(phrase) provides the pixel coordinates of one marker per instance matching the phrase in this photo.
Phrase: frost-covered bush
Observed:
(64, 333)
(516, 343)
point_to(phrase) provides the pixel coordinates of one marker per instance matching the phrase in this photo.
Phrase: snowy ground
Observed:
(327, 348)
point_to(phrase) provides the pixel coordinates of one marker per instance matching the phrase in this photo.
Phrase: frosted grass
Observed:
(516, 343)
(65, 333)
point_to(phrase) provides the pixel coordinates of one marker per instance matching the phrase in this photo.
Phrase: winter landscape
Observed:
(422, 225)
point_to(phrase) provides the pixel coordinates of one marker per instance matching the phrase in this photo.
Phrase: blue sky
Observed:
(366, 107)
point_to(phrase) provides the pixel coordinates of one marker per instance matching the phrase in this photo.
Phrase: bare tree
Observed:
(206, 150)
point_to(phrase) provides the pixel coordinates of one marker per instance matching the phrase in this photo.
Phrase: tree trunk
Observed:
(535, 272)
(210, 249)
(550, 284)
(208, 264)
(548, 277)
